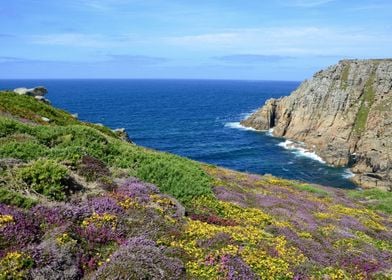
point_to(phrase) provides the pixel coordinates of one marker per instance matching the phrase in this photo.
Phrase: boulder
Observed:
(41, 98)
(37, 91)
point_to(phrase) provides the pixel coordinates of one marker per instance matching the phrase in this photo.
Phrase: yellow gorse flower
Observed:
(99, 220)
(5, 219)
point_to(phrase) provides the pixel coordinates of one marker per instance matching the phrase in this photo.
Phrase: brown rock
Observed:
(344, 113)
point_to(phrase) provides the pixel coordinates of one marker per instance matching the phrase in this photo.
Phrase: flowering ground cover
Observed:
(77, 202)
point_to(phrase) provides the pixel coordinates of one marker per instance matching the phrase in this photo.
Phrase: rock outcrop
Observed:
(344, 114)
(37, 92)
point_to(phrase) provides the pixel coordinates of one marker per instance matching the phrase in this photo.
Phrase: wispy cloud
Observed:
(72, 39)
(138, 59)
(81, 40)
(251, 58)
(3, 35)
(285, 41)
(12, 59)
(305, 3)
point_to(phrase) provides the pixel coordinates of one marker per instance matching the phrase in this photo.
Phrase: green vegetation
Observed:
(68, 140)
(311, 189)
(46, 177)
(344, 79)
(367, 100)
(26, 107)
(250, 227)
(10, 197)
(375, 199)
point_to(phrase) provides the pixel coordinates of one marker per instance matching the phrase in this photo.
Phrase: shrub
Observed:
(46, 177)
(20, 229)
(15, 265)
(56, 261)
(92, 168)
(22, 150)
(140, 258)
(13, 198)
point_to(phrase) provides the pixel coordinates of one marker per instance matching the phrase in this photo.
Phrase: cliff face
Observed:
(344, 114)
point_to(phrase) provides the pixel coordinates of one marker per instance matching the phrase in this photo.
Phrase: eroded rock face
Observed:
(344, 114)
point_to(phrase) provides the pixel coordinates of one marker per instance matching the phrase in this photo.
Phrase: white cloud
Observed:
(291, 41)
(305, 3)
(81, 40)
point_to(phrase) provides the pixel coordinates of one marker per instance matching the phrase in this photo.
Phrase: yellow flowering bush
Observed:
(99, 220)
(247, 239)
(64, 239)
(15, 265)
(5, 219)
(128, 203)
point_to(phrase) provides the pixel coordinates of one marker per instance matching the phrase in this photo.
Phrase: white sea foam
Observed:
(237, 125)
(348, 174)
(247, 115)
(300, 151)
(270, 131)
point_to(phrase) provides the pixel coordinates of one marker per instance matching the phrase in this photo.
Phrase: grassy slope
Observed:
(237, 224)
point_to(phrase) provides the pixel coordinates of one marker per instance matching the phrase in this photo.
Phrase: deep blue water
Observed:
(193, 118)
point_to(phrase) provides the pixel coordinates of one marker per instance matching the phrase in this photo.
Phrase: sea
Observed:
(198, 119)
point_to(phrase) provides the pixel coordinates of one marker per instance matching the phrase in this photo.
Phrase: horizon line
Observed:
(163, 79)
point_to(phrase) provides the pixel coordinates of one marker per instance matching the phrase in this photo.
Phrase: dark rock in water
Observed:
(344, 114)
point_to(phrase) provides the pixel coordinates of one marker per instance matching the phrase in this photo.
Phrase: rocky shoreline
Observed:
(343, 114)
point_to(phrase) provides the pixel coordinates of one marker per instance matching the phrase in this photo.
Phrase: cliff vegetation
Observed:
(79, 202)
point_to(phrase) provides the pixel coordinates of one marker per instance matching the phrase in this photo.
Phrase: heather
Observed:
(79, 203)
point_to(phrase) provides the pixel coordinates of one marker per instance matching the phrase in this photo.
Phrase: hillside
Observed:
(344, 114)
(77, 201)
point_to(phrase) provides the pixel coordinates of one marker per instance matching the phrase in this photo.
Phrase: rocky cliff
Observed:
(343, 113)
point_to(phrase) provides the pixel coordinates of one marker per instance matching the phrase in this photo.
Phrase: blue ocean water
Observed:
(198, 119)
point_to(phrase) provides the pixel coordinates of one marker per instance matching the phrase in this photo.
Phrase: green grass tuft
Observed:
(344, 78)
(375, 199)
(367, 100)
(311, 189)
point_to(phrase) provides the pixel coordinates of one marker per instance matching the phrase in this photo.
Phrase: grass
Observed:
(311, 189)
(367, 100)
(344, 79)
(26, 107)
(375, 199)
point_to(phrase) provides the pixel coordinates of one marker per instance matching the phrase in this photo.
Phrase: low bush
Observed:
(13, 198)
(46, 177)
(141, 258)
(92, 168)
(22, 150)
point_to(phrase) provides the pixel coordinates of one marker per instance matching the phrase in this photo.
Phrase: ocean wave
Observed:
(247, 115)
(300, 151)
(237, 125)
(270, 131)
(347, 174)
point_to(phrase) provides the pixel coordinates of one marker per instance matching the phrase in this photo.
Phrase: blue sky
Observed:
(212, 39)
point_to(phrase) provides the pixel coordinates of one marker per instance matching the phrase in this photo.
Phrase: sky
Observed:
(183, 39)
